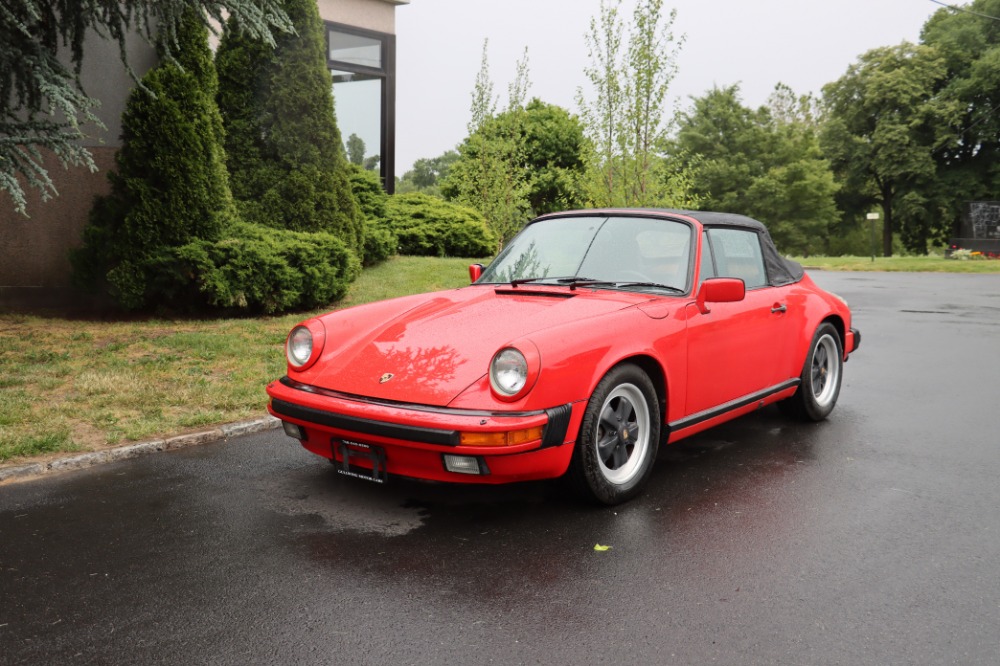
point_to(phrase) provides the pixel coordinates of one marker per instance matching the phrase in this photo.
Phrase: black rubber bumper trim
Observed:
(857, 339)
(366, 426)
(555, 430)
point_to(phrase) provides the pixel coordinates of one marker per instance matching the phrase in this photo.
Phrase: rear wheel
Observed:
(618, 438)
(821, 377)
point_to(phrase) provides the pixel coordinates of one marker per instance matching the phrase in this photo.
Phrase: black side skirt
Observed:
(731, 406)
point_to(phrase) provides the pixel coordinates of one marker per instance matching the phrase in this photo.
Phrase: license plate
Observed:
(352, 452)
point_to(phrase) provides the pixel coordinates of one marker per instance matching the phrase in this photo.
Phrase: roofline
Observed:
(705, 218)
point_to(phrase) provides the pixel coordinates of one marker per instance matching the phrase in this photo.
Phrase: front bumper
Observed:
(852, 343)
(416, 438)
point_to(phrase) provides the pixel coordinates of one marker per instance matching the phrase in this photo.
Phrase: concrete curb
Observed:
(83, 460)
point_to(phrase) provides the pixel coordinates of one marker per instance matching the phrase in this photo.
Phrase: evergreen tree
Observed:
(170, 186)
(37, 79)
(279, 115)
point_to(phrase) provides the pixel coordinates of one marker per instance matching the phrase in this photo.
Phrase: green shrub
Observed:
(426, 225)
(256, 269)
(380, 243)
(367, 188)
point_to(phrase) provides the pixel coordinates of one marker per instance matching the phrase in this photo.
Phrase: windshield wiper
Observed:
(655, 285)
(575, 281)
(570, 280)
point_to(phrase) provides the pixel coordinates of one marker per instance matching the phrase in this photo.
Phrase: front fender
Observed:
(574, 358)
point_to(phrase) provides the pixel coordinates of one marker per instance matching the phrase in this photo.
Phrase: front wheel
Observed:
(821, 377)
(618, 438)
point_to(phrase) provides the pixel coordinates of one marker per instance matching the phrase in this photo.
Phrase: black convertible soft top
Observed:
(780, 271)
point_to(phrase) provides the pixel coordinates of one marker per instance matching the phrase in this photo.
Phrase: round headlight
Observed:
(299, 347)
(508, 372)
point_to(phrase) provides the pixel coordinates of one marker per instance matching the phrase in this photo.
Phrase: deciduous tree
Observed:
(969, 163)
(764, 163)
(626, 114)
(885, 121)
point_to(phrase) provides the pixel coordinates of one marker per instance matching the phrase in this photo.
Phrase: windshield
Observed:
(615, 251)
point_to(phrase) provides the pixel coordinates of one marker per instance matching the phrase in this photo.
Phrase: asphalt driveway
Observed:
(871, 538)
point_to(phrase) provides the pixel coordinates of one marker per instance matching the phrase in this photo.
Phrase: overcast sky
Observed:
(755, 43)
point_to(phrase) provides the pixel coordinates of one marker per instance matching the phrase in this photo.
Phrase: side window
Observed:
(738, 254)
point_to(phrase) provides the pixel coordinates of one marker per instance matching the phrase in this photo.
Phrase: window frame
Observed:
(386, 74)
(715, 252)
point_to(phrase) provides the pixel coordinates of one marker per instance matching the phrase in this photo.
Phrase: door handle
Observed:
(778, 307)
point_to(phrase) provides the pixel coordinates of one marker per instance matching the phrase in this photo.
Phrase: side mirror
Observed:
(475, 272)
(720, 290)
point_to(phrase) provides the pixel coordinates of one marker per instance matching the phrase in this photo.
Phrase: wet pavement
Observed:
(871, 538)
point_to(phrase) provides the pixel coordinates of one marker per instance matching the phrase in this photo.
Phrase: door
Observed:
(734, 351)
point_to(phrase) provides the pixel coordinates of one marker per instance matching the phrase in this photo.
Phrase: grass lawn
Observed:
(74, 385)
(902, 264)
(79, 385)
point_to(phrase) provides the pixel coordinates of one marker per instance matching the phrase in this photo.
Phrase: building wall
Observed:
(378, 15)
(34, 251)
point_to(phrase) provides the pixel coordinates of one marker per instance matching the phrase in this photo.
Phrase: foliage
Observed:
(170, 186)
(380, 242)
(256, 269)
(484, 102)
(968, 166)
(427, 173)
(884, 123)
(427, 225)
(355, 150)
(356, 153)
(554, 152)
(522, 162)
(491, 175)
(763, 163)
(37, 80)
(279, 115)
(367, 188)
(625, 120)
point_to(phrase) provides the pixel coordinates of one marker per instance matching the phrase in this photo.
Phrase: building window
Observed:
(362, 65)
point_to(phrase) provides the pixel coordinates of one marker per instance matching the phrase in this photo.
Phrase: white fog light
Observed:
(462, 464)
(294, 431)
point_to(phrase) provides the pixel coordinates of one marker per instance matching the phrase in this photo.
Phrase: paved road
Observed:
(872, 538)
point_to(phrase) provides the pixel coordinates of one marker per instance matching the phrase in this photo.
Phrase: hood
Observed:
(436, 345)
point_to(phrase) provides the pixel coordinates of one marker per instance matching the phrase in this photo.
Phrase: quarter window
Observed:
(737, 254)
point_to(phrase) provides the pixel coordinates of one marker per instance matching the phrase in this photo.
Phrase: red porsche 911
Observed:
(593, 338)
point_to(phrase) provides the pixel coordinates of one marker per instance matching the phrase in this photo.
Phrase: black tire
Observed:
(619, 437)
(822, 374)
